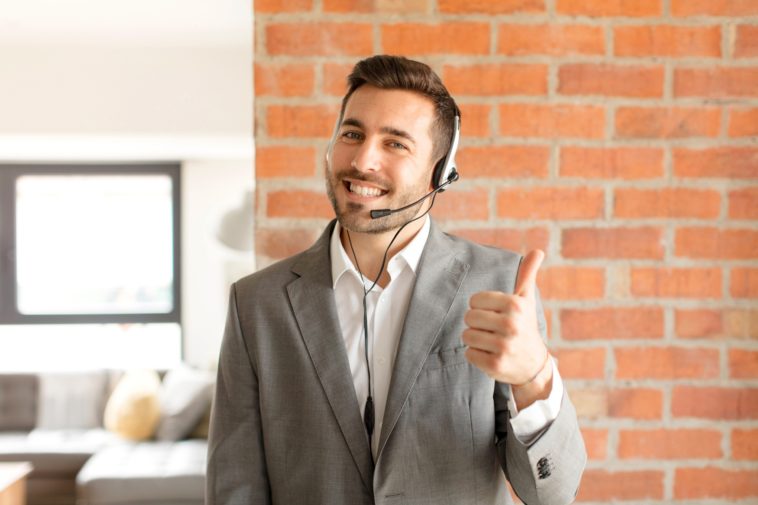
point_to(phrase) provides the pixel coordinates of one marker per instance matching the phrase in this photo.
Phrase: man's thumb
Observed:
(527, 273)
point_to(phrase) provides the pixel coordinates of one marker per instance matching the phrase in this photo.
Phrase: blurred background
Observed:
(619, 136)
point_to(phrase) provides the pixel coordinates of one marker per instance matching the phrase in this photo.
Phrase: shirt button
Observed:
(382, 361)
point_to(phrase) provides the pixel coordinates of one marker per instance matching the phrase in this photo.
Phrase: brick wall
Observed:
(619, 136)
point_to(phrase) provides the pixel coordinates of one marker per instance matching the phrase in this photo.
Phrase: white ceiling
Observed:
(126, 22)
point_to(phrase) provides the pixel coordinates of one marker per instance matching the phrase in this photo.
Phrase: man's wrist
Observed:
(535, 389)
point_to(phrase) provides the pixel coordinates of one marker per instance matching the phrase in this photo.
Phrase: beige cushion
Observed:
(133, 410)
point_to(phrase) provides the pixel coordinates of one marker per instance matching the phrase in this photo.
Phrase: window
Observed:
(90, 245)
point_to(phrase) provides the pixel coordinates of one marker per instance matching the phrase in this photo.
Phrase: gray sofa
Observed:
(55, 421)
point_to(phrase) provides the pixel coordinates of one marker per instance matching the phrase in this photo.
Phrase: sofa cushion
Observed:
(145, 473)
(72, 400)
(18, 401)
(133, 409)
(53, 452)
(185, 396)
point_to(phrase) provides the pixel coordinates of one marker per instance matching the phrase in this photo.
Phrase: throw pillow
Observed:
(184, 398)
(133, 410)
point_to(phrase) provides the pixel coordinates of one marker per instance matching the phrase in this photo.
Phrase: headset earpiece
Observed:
(445, 169)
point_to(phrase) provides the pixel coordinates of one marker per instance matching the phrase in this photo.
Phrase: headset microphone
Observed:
(376, 214)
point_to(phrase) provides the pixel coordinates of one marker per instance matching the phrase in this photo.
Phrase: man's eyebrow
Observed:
(349, 121)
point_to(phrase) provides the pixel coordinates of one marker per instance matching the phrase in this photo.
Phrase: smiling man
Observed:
(391, 363)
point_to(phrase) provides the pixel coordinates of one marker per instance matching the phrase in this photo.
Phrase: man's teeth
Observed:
(364, 191)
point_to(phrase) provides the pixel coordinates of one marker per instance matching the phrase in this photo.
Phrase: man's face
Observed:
(381, 158)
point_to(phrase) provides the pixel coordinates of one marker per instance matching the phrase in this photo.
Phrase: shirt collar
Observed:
(410, 254)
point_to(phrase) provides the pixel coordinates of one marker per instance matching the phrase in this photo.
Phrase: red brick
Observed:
(476, 122)
(444, 38)
(596, 443)
(667, 40)
(280, 243)
(550, 121)
(743, 203)
(496, 79)
(610, 80)
(550, 39)
(469, 205)
(606, 486)
(581, 363)
(712, 243)
(277, 6)
(729, 323)
(666, 363)
(635, 403)
(743, 122)
(667, 203)
(744, 282)
(617, 243)
(713, 7)
(727, 162)
(746, 45)
(300, 120)
(612, 323)
(571, 283)
(519, 240)
(743, 364)
(551, 203)
(676, 282)
(682, 443)
(597, 8)
(285, 161)
(389, 6)
(611, 163)
(714, 482)
(335, 78)
(721, 404)
(667, 122)
(298, 203)
(319, 39)
(504, 161)
(715, 82)
(283, 80)
(744, 444)
(698, 323)
(490, 7)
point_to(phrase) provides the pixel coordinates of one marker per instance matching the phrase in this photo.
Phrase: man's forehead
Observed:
(394, 108)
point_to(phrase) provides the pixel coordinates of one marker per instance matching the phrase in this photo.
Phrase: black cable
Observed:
(368, 411)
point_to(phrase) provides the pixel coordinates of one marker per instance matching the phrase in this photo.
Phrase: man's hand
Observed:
(504, 339)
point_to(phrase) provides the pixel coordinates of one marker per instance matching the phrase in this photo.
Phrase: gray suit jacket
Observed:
(286, 426)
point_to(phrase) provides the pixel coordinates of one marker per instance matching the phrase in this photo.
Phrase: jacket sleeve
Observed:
(236, 473)
(548, 470)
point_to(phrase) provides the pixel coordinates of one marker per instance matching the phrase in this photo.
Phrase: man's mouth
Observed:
(361, 190)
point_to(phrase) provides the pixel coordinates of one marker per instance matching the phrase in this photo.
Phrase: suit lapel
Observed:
(312, 299)
(439, 277)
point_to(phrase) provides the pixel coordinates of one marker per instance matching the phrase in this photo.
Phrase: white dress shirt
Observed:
(386, 310)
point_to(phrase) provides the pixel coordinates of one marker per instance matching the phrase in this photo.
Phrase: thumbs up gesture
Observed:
(504, 339)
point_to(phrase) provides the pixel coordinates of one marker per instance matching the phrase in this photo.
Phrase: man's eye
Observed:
(397, 145)
(351, 135)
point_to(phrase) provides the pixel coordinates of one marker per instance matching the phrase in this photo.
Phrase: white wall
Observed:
(100, 100)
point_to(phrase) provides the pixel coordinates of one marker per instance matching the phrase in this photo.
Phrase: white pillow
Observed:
(184, 398)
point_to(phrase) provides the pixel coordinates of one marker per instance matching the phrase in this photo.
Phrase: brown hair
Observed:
(397, 72)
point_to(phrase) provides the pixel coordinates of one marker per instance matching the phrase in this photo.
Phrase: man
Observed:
(391, 363)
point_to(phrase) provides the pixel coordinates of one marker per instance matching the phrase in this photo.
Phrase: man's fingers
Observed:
(527, 273)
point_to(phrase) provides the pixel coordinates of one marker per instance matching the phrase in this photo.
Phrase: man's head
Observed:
(396, 122)
(397, 72)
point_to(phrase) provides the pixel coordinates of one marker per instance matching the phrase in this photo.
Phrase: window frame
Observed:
(9, 173)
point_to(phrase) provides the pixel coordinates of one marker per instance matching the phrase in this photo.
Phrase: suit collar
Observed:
(312, 300)
(439, 277)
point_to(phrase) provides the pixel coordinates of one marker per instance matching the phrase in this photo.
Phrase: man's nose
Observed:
(367, 157)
